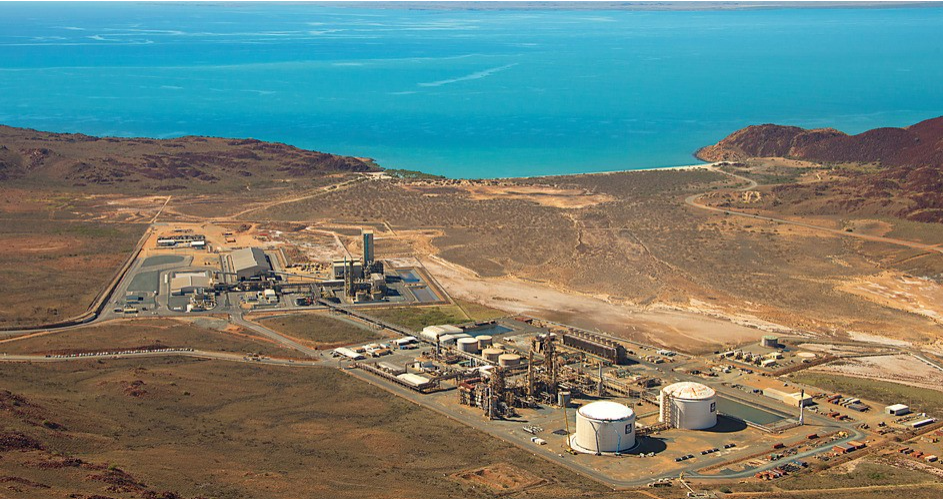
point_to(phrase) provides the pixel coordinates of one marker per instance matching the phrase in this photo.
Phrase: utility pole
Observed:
(566, 424)
(599, 387)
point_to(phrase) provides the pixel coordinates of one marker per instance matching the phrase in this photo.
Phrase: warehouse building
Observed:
(797, 399)
(250, 263)
(188, 283)
(897, 410)
(432, 334)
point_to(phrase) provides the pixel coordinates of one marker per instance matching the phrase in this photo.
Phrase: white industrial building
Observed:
(249, 262)
(188, 283)
(432, 333)
(355, 267)
(604, 427)
(688, 405)
(897, 410)
(414, 380)
(797, 399)
(349, 353)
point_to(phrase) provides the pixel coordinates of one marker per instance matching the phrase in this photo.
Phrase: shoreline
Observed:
(702, 166)
(374, 162)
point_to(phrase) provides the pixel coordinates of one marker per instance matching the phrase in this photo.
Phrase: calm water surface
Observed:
(466, 93)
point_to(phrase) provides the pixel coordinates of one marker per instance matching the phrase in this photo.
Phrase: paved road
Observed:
(238, 319)
(693, 199)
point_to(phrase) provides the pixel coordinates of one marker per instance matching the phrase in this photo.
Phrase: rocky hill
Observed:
(906, 178)
(916, 145)
(30, 157)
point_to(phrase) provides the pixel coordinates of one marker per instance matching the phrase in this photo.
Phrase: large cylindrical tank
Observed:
(509, 360)
(492, 354)
(769, 341)
(484, 341)
(688, 405)
(604, 427)
(468, 345)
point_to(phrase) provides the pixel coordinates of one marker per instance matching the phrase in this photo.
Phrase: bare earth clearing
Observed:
(903, 369)
(671, 328)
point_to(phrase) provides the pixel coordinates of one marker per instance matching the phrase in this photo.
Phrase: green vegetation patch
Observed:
(478, 312)
(419, 317)
(412, 174)
(320, 329)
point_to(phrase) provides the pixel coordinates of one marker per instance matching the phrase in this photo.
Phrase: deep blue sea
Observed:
(466, 93)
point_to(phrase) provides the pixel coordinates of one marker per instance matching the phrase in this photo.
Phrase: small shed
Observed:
(843, 448)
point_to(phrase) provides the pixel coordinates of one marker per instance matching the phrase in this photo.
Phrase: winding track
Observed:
(693, 199)
(199, 354)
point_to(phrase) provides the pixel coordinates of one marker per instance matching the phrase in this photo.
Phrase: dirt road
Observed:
(752, 184)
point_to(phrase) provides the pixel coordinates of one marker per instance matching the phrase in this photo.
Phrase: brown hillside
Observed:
(917, 145)
(30, 157)
(907, 184)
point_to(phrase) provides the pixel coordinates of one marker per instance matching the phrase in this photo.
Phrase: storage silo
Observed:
(484, 341)
(467, 345)
(509, 360)
(492, 354)
(769, 341)
(688, 405)
(604, 427)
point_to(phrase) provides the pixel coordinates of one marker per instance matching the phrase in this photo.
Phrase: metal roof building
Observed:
(189, 282)
(897, 410)
(249, 262)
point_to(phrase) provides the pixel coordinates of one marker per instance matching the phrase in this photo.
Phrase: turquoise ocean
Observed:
(466, 93)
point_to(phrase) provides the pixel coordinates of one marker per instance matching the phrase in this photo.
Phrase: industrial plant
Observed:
(185, 270)
(586, 399)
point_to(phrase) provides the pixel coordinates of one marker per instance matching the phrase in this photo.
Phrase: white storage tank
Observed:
(509, 360)
(452, 339)
(484, 341)
(467, 345)
(491, 354)
(688, 405)
(604, 427)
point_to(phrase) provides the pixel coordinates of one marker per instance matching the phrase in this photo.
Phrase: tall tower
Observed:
(801, 408)
(367, 248)
(349, 288)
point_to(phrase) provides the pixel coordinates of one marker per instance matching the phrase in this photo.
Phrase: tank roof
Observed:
(605, 410)
(690, 391)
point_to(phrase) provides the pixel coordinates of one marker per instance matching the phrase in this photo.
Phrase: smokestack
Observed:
(802, 408)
